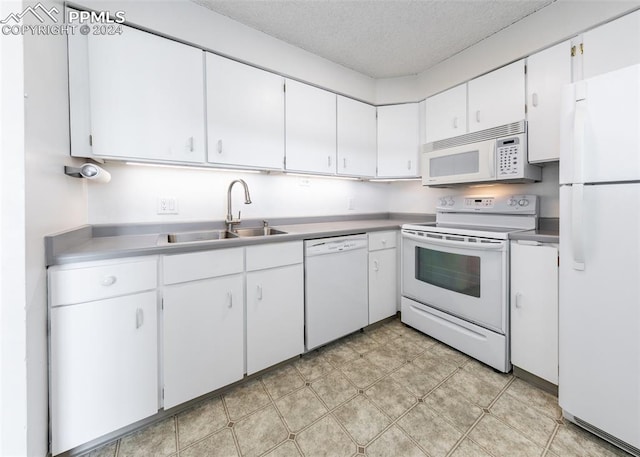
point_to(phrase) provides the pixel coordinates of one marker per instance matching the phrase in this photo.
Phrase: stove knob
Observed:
(443, 202)
(523, 202)
(451, 202)
(512, 202)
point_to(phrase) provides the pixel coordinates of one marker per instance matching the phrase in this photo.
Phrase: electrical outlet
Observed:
(167, 205)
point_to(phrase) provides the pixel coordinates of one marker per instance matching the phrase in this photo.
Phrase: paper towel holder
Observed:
(89, 171)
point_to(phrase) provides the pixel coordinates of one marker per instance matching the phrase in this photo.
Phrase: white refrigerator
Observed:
(599, 321)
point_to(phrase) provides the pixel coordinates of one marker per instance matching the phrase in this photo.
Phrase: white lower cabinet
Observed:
(534, 309)
(275, 304)
(103, 349)
(382, 275)
(203, 324)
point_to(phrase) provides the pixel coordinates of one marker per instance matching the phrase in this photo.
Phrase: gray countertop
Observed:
(89, 243)
(547, 232)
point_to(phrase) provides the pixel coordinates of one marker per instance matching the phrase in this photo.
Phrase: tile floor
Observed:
(387, 392)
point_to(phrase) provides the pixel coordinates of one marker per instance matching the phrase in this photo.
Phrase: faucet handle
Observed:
(239, 212)
(265, 223)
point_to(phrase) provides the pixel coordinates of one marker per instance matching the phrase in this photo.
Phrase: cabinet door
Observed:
(446, 114)
(382, 284)
(275, 316)
(398, 133)
(612, 46)
(146, 97)
(548, 72)
(245, 115)
(104, 369)
(203, 337)
(497, 98)
(534, 309)
(310, 139)
(356, 138)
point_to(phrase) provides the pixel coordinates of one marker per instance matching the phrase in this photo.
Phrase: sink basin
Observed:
(205, 235)
(258, 231)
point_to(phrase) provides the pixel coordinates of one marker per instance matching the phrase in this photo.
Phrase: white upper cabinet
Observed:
(356, 140)
(548, 72)
(446, 114)
(497, 98)
(398, 133)
(245, 115)
(136, 95)
(310, 137)
(612, 46)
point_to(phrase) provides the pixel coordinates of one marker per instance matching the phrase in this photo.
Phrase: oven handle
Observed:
(493, 246)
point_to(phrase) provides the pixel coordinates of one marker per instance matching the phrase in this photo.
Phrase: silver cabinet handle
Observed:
(344, 163)
(109, 280)
(259, 292)
(219, 146)
(376, 265)
(478, 116)
(455, 122)
(328, 161)
(139, 317)
(408, 164)
(518, 300)
(534, 99)
(191, 148)
(229, 300)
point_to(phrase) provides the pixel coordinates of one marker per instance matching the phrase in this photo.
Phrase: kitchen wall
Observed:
(40, 200)
(13, 370)
(132, 195)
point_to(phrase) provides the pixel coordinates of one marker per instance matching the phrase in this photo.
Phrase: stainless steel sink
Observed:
(258, 231)
(205, 235)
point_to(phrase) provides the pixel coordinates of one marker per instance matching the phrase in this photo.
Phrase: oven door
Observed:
(464, 276)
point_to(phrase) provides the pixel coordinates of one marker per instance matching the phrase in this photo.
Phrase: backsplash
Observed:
(132, 195)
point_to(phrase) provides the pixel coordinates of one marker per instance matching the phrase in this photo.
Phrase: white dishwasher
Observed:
(336, 288)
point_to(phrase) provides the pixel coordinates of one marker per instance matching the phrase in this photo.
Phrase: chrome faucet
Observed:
(230, 221)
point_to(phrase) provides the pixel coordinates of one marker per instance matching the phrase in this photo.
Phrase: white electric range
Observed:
(455, 273)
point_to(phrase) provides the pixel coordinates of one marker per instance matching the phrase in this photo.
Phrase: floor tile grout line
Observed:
(502, 391)
(547, 447)
(466, 434)
(544, 413)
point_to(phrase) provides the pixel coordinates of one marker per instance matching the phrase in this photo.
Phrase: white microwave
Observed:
(497, 154)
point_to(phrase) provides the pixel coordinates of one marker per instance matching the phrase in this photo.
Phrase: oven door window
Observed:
(454, 272)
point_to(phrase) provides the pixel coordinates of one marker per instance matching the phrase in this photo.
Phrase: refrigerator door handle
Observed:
(577, 228)
(578, 140)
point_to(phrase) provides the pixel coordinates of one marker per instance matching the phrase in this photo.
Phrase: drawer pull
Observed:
(259, 292)
(376, 265)
(139, 317)
(229, 300)
(109, 280)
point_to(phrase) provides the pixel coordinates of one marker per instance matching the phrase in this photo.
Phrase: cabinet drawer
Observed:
(83, 284)
(382, 240)
(274, 255)
(201, 265)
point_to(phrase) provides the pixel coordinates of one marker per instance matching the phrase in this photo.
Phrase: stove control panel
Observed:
(504, 204)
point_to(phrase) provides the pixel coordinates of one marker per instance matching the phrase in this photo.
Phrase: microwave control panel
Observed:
(509, 154)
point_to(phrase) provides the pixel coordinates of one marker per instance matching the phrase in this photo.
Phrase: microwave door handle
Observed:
(494, 246)
(492, 164)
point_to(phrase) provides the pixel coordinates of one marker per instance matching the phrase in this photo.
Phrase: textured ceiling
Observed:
(379, 38)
